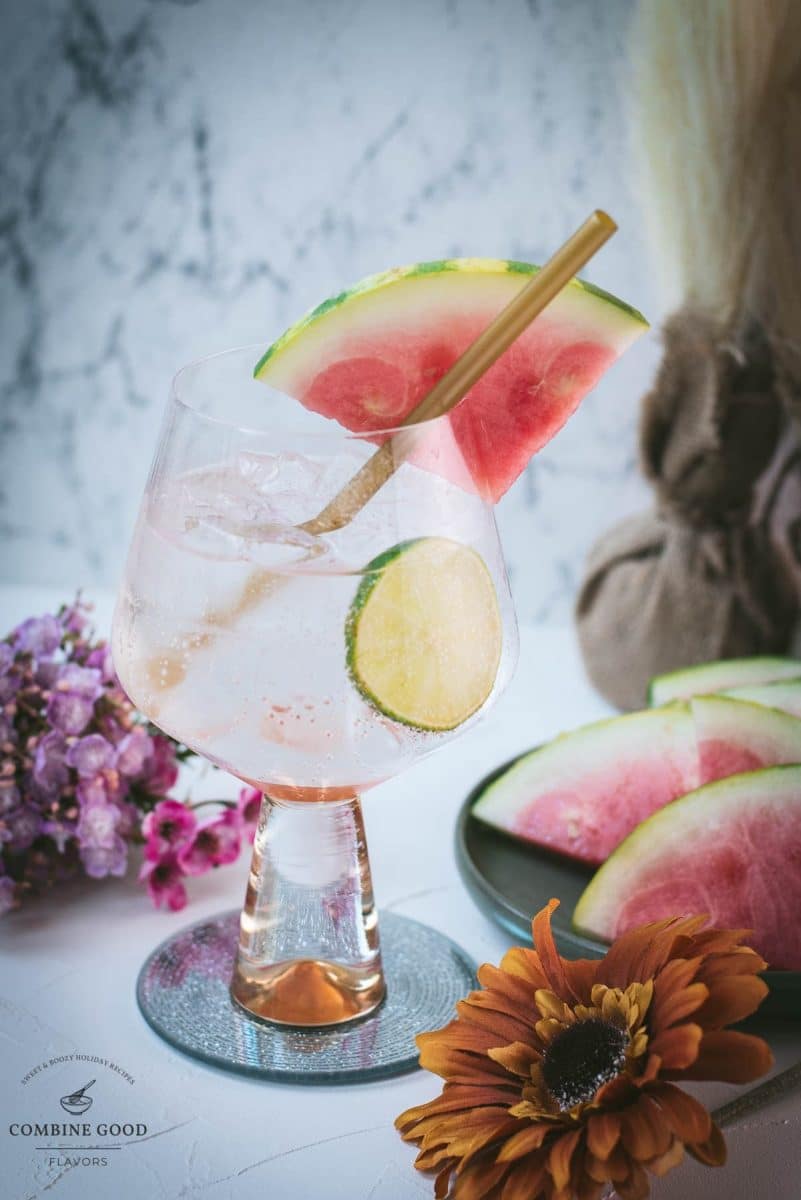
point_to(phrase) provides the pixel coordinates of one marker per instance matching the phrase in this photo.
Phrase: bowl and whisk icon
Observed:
(78, 1102)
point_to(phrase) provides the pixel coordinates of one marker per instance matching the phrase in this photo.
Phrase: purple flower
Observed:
(69, 713)
(9, 796)
(8, 891)
(111, 859)
(214, 843)
(101, 658)
(90, 755)
(102, 789)
(60, 832)
(164, 881)
(72, 701)
(133, 751)
(80, 681)
(10, 683)
(47, 672)
(39, 636)
(73, 618)
(49, 765)
(6, 657)
(97, 825)
(8, 734)
(167, 828)
(161, 769)
(20, 828)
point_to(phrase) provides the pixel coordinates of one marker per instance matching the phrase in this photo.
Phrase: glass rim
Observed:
(337, 430)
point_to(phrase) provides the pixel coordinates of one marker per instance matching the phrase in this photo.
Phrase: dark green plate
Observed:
(511, 881)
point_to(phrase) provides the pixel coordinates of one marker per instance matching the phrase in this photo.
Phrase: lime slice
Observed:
(424, 633)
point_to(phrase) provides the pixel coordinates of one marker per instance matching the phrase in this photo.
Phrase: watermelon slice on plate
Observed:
(368, 356)
(731, 850)
(584, 792)
(721, 676)
(784, 694)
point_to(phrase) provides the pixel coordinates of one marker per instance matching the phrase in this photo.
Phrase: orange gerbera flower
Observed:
(559, 1075)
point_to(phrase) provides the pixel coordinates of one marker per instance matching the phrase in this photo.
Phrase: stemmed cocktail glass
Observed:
(311, 665)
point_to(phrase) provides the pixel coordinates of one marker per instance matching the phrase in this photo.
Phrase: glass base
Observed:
(184, 994)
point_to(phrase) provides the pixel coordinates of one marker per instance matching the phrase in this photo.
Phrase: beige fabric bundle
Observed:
(712, 571)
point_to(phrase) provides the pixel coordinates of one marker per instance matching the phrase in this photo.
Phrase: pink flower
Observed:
(161, 769)
(248, 806)
(167, 828)
(164, 881)
(214, 843)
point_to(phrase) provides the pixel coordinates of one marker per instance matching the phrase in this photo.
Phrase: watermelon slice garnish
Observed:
(368, 356)
(583, 793)
(731, 850)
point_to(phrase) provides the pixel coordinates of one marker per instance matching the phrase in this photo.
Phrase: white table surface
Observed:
(67, 987)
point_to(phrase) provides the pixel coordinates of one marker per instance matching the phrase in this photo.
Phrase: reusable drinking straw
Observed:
(445, 395)
(468, 368)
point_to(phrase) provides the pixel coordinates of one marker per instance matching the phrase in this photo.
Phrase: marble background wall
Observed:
(177, 176)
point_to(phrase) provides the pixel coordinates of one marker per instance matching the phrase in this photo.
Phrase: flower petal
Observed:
(685, 1115)
(479, 1179)
(516, 1058)
(644, 1132)
(524, 1142)
(455, 1098)
(552, 1006)
(504, 1028)
(730, 1000)
(680, 1004)
(636, 1186)
(730, 1057)
(560, 1156)
(441, 1182)
(511, 992)
(552, 964)
(525, 965)
(740, 961)
(603, 1133)
(677, 1047)
(524, 1181)
(712, 1152)
(641, 953)
(665, 1162)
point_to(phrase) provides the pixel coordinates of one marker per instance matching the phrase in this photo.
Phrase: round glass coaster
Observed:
(182, 992)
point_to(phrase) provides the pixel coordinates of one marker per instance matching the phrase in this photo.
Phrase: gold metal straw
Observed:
(453, 387)
(468, 369)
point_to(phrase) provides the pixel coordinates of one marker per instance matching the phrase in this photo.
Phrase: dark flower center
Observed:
(581, 1058)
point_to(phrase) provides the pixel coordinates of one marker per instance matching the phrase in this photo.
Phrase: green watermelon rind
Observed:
(687, 817)
(770, 695)
(383, 279)
(705, 678)
(735, 718)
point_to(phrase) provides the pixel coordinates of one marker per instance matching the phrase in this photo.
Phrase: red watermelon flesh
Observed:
(368, 357)
(383, 382)
(585, 792)
(730, 850)
(582, 793)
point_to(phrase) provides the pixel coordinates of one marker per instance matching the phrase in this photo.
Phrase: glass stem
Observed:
(308, 948)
